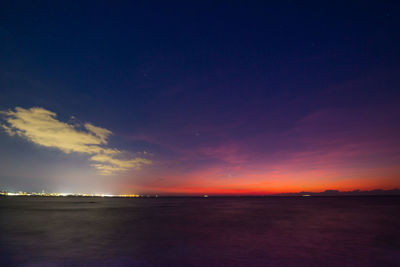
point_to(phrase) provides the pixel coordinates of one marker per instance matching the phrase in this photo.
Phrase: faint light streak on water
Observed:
(323, 231)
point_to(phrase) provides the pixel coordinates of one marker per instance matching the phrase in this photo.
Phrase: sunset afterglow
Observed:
(255, 103)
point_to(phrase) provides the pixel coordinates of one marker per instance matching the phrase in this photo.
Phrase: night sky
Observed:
(209, 98)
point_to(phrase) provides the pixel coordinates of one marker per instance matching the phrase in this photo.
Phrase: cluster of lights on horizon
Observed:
(46, 194)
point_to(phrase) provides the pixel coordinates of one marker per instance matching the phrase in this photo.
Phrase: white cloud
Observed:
(41, 127)
(99, 132)
(123, 164)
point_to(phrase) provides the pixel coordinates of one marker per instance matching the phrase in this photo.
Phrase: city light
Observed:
(46, 194)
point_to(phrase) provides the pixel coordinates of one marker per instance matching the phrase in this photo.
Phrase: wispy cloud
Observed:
(42, 127)
(108, 163)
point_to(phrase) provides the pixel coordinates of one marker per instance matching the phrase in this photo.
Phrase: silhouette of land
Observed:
(357, 192)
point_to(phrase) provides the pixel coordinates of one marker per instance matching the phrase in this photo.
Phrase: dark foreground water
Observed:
(271, 231)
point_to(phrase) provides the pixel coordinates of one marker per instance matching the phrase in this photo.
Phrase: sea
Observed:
(190, 231)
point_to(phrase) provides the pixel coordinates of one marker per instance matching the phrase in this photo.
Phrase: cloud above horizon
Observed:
(42, 127)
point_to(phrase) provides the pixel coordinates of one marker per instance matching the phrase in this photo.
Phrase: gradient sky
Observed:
(212, 98)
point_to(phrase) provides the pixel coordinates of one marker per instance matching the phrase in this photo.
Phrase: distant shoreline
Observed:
(216, 196)
(326, 193)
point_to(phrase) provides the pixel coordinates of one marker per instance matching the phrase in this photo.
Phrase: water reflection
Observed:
(201, 231)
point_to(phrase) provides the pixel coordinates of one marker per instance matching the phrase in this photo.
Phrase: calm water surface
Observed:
(270, 231)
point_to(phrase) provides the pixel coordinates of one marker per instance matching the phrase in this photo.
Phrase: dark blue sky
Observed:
(222, 97)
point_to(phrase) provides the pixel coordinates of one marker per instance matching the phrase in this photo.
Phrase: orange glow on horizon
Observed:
(210, 182)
